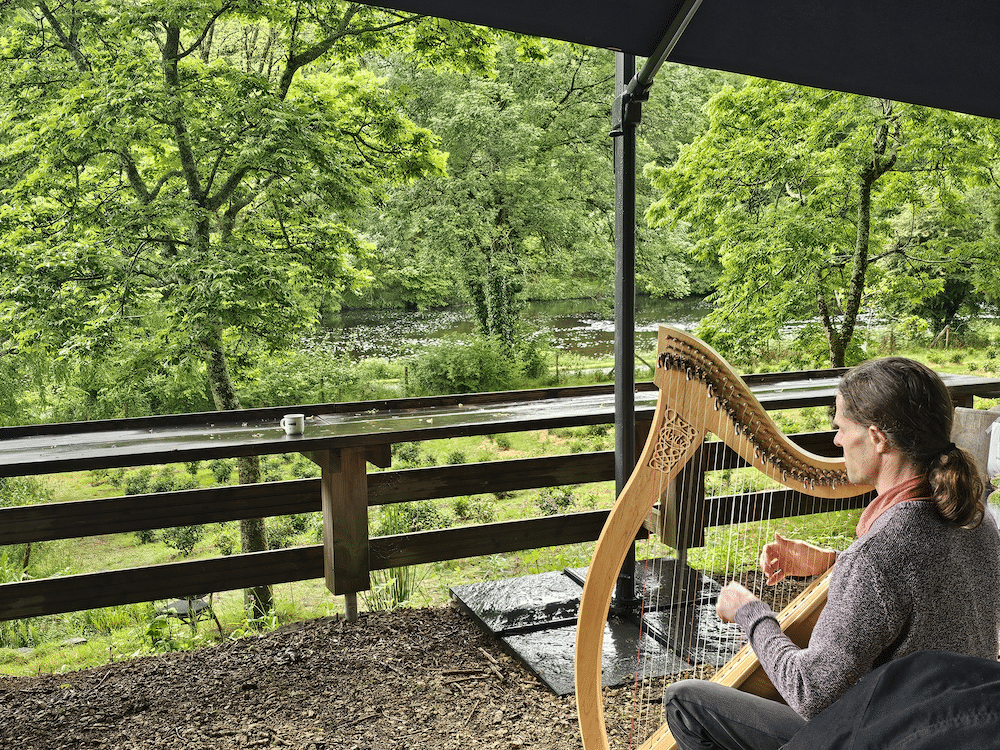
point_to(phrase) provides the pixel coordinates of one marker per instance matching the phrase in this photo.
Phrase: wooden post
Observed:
(344, 486)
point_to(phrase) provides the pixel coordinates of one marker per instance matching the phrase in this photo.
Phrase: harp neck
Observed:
(688, 370)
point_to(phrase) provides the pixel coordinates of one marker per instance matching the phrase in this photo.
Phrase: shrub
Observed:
(146, 536)
(227, 541)
(598, 430)
(271, 469)
(406, 454)
(503, 441)
(303, 468)
(482, 510)
(185, 482)
(462, 508)
(183, 538)
(99, 476)
(282, 531)
(162, 481)
(16, 491)
(468, 365)
(222, 469)
(400, 518)
(138, 482)
(553, 500)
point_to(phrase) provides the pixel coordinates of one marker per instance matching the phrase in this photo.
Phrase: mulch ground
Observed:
(419, 678)
(410, 678)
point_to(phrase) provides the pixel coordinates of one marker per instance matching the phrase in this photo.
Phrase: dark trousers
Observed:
(703, 715)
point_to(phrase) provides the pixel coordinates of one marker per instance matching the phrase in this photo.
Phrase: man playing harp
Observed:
(924, 572)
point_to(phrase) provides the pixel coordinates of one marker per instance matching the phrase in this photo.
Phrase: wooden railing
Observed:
(342, 439)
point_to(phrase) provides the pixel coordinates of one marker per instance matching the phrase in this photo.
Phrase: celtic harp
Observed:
(699, 396)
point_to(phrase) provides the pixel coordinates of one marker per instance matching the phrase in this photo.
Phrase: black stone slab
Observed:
(679, 611)
(534, 617)
(549, 654)
(518, 605)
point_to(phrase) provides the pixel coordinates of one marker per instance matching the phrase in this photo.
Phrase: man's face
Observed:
(859, 447)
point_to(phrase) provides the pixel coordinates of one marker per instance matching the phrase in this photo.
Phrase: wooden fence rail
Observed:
(339, 439)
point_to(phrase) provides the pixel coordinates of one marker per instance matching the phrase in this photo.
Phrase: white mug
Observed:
(294, 424)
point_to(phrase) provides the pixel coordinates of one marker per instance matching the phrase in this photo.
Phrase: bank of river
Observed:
(581, 327)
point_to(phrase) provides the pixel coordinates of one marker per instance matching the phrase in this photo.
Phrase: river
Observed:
(581, 327)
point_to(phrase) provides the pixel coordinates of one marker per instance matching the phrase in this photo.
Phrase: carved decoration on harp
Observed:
(676, 437)
(699, 395)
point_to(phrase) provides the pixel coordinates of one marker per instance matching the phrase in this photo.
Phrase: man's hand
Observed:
(731, 598)
(791, 557)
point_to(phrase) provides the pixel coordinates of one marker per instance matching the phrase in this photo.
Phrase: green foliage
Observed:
(146, 536)
(313, 373)
(166, 634)
(285, 531)
(393, 587)
(222, 470)
(303, 468)
(138, 482)
(19, 633)
(271, 468)
(802, 196)
(406, 455)
(255, 624)
(175, 204)
(526, 148)
(16, 491)
(400, 518)
(477, 509)
(183, 538)
(503, 441)
(467, 365)
(227, 539)
(553, 500)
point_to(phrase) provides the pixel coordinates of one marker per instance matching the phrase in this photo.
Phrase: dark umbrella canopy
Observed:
(931, 52)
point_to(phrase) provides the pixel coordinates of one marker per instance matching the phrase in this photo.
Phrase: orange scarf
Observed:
(901, 493)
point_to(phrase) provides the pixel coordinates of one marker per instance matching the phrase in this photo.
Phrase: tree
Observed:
(528, 162)
(526, 210)
(200, 163)
(794, 191)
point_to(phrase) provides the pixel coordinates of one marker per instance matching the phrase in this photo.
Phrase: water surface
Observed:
(583, 327)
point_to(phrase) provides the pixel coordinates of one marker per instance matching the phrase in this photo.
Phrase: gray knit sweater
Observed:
(913, 582)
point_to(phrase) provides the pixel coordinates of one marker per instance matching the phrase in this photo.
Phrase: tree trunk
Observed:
(839, 339)
(883, 158)
(253, 534)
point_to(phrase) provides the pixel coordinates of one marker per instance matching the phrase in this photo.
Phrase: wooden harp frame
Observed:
(699, 393)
